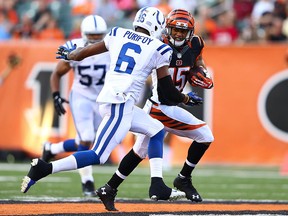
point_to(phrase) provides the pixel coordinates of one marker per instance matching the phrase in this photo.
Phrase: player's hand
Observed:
(63, 52)
(202, 81)
(194, 99)
(58, 103)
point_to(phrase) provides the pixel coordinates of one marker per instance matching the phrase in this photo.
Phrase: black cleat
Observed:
(46, 152)
(89, 189)
(39, 169)
(107, 195)
(185, 185)
(159, 191)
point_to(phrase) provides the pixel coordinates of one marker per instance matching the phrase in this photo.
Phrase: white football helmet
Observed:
(93, 24)
(151, 19)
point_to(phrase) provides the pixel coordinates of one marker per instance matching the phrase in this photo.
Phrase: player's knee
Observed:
(86, 143)
(141, 152)
(209, 139)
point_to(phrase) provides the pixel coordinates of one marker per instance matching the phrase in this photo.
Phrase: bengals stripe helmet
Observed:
(181, 19)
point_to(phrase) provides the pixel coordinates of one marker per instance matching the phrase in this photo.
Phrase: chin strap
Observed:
(176, 43)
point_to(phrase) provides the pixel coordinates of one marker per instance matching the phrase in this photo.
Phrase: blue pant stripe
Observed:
(105, 127)
(121, 109)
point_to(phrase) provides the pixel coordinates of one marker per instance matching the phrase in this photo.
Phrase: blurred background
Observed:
(246, 51)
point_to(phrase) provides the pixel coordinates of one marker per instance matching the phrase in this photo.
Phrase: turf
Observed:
(221, 182)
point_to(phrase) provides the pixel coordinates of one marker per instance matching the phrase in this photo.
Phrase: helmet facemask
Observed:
(180, 19)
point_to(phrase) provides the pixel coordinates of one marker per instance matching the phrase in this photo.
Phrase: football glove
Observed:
(58, 103)
(201, 81)
(63, 52)
(193, 99)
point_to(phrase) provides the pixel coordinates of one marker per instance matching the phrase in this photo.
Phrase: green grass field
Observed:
(231, 183)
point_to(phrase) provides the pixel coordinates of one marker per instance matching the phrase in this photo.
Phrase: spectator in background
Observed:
(42, 16)
(128, 7)
(8, 7)
(260, 7)
(164, 7)
(145, 3)
(24, 29)
(226, 31)
(51, 32)
(274, 31)
(243, 10)
(5, 27)
(285, 25)
(205, 25)
(263, 24)
(76, 31)
(108, 10)
(190, 5)
(82, 7)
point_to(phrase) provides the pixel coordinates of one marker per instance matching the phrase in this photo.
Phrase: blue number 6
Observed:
(128, 59)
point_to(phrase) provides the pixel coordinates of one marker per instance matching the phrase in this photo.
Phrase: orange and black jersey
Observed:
(183, 58)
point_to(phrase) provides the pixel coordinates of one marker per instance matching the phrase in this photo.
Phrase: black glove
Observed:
(194, 99)
(58, 103)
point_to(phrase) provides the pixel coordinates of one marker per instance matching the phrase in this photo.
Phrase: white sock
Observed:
(57, 148)
(156, 167)
(64, 164)
(86, 174)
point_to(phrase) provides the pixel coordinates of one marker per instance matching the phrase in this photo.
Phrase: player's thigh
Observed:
(144, 124)
(97, 118)
(183, 123)
(113, 128)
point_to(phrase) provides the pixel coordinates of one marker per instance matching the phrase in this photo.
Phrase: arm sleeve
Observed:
(167, 89)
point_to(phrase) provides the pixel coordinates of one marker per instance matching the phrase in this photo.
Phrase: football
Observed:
(198, 76)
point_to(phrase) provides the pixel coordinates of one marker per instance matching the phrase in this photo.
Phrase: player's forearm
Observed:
(83, 52)
(171, 93)
(77, 55)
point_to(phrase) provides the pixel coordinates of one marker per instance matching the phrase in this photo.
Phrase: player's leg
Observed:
(128, 163)
(82, 109)
(187, 125)
(50, 150)
(111, 136)
(113, 116)
(152, 128)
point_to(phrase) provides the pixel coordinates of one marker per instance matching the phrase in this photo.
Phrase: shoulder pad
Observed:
(113, 31)
(197, 42)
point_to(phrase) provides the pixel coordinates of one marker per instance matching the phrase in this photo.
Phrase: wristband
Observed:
(54, 94)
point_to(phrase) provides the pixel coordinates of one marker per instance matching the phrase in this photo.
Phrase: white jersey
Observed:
(133, 57)
(89, 74)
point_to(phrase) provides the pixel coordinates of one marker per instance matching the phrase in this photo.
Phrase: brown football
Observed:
(194, 71)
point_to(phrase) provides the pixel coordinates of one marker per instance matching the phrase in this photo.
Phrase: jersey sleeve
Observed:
(110, 36)
(164, 55)
(197, 43)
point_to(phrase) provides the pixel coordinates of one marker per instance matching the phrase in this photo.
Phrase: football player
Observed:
(187, 53)
(134, 54)
(88, 81)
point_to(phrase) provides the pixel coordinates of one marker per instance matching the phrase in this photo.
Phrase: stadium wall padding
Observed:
(247, 109)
